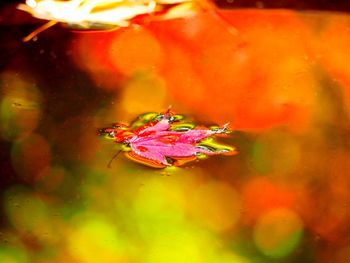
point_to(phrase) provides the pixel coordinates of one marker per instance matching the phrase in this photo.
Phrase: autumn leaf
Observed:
(166, 140)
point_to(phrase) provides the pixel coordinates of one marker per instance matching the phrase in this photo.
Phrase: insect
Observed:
(164, 139)
(106, 14)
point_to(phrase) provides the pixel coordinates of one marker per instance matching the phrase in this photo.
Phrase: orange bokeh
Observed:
(257, 77)
(261, 195)
(90, 51)
(135, 49)
(251, 68)
(334, 55)
(328, 214)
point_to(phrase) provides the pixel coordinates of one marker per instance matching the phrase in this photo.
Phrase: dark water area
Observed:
(280, 78)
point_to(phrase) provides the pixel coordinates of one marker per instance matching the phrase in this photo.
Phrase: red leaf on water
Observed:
(165, 140)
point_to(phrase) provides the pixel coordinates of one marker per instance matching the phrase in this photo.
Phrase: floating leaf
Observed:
(161, 140)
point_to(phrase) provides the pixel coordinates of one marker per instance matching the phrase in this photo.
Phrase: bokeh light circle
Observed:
(135, 49)
(278, 233)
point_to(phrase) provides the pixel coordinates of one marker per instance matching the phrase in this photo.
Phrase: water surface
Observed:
(281, 78)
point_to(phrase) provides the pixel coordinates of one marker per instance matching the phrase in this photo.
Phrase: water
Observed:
(280, 78)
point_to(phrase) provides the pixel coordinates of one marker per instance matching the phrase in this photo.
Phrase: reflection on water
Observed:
(283, 83)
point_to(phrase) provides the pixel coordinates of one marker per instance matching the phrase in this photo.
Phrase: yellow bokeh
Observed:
(216, 205)
(13, 255)
(158, 205)
(144, 92)
(28, 213)
(95, 238)
(20, 106)
(278, 232)
(179, 244)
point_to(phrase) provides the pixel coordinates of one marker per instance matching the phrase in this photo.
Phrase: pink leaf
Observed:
(156, 141)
